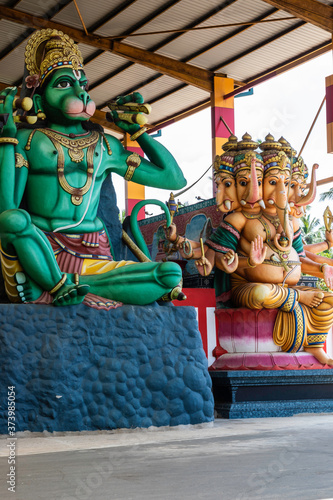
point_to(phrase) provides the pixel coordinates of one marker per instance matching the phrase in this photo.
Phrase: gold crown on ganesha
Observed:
(225, 162)
(286, 147)
(299, 169)
(273, 154)
(48, 50)
(245, 153)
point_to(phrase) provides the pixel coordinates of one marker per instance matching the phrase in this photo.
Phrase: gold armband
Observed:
(176, 240)
(133, 161)
(20, 161)
(248, 263)
(322, 265)
(59, 284)
(138, 133)
(8, 140)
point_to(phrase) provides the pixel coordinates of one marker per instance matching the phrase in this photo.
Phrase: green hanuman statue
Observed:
(56, 249)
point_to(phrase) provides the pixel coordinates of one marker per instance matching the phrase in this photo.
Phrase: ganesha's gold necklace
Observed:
(283, 255)
(273, 219)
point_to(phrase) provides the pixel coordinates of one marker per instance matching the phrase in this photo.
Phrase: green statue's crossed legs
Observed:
(140, 284)
(137, 284)
(19, 236)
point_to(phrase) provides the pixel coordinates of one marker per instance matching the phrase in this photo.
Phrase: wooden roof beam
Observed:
(311, 11)
(186, 73)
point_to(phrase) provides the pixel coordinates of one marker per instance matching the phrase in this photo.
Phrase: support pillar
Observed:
(133, 192)
(329, 112)
(221, 108)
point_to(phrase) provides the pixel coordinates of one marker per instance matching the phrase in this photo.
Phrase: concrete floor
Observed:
(271, 458)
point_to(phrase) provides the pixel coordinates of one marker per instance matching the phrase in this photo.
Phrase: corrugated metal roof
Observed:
(33, 6)
(126, 19)
(276, 53)
(9, 32)
(121, 84)
(241, 51)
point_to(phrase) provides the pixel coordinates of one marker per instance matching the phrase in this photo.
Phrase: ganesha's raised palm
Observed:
(258, 251)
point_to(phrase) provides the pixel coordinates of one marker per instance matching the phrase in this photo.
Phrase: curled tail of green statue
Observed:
(176, 293)
(134, 222)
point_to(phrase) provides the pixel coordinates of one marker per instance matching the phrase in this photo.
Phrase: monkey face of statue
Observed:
(226, 196)
(65, 98)
(275, 188)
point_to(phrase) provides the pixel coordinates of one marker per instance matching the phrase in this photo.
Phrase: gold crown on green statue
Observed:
(48, 50)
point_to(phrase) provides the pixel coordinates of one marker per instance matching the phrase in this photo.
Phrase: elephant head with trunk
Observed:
(297, 197)
(226, 196)
(248, 169)
(277, 170)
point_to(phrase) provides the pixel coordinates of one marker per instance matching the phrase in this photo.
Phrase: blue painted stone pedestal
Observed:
(272, 393)
(75, 368)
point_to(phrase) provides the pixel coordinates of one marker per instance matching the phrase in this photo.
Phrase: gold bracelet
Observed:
(176, 240)
(322, 265)
(8, 140)
(138, 133)
(59, 284)
(133, 161)
(248, 263)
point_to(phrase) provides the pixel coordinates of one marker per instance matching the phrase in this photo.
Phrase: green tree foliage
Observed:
(328, 195)
(312, 231)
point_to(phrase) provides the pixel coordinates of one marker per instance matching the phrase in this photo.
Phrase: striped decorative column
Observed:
(221, 108)
(329, 112)
(133, 192)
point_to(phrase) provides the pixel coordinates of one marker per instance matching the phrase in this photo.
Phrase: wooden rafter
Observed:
(180, 116)
(152, 16)
(111, 15)
(311, 11)
(186, 73)
(24, 36)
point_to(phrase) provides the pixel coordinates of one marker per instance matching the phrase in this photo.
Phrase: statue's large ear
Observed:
(37, 99)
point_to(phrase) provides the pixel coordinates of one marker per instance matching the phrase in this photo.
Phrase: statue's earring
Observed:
(41, 115)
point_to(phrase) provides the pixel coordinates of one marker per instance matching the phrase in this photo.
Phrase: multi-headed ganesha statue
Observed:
(257, 250)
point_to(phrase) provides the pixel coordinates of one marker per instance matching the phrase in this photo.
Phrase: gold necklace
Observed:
(75, 146)
(249, 215)
(76, 153)
(273, 219)
(282, 256)
(76, 193)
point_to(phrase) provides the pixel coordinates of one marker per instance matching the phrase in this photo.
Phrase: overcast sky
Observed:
(285, 105)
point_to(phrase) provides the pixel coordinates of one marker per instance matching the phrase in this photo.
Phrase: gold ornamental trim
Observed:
(75, 146)
(133, 161)
(20, 161)
(50, 49)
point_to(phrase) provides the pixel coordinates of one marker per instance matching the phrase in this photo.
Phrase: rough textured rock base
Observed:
(75, 368)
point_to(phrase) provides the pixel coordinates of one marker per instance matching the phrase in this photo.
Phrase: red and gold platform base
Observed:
(245, 342)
